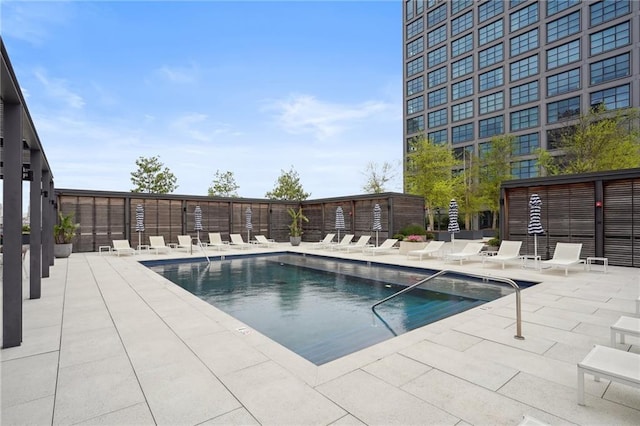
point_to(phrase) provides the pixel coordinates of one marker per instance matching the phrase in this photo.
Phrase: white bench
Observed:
(612, 364)
(625, 326)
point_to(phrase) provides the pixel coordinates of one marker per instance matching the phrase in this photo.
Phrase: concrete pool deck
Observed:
(111, 342)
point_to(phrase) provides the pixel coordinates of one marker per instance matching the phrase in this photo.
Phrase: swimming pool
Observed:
(320, 307)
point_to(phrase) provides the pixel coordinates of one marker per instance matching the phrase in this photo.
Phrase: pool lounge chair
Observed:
(184, 241)
(122, 247)
(362, 242)
(346, 240)
(237, 241)
(565, 255)
(215, 240)
(431, 248)
(384, 248)
(509, 250)
(328, 239)
(262, 241)
(468, 251)
(157, 243)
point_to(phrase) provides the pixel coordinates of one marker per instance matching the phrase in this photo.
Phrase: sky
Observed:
(254, 88)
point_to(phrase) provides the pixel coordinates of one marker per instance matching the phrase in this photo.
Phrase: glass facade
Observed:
(462, 133)
(491, 79)
(610, 38)
(564, 54)
(462, 45)
(613, 98)
(524, 93)
(490, 56)
(490, 32)
(524, 42)
(491, 103)
(610, 69)
(523, 17)
(524, 68)
(563, 110)
(563, 82)
(491, 126)
(607, 10)
(563, 27)
(525, 119)
(462, 89)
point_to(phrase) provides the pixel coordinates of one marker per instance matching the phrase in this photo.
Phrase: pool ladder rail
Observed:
(484, 279)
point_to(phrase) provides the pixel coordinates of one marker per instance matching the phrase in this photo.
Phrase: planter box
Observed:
(407, 246)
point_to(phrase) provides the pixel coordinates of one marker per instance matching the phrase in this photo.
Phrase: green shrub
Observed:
(494, 242)
(413, 229)
(398, 237)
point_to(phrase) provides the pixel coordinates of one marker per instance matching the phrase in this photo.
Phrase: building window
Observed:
(523, 17)
(491, 79)
(524, 169)
(490, 56)
(556, 6)
(415, 105)
(415, 124)
(525, 119)
(490, 32)
(564, 82)
(462, 89)
(415, 66)
(524, 93)
(436, 16)
(514, 3)
(524, 68)
(610, 38)
(607, 10)
(438, 137)
(491, 126)
(563, 110)
(462, 133)
(415, 28)
(563, 54)
(436, 77)
(525, 144)
(462, 67)
(410, 7)
(415, 86)
(415, 47)
(437, 97)
(613, 98)
(437, 118)
(563, 27)
(524, 42)
(610, 69)
(437, 56)
(489, 9)
(491, 103)
(462, 23)
(437, 36)
(462, 111)
(420, 7)
(462, 45)
(458, 5)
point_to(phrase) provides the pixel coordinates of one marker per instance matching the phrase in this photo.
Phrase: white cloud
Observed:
(58, 89)
(34, 21)
(180, 75)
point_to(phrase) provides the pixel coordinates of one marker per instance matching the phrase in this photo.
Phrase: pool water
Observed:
(320, 308)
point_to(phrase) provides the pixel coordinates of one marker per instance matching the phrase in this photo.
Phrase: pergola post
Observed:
(47, 223)
(35, 223)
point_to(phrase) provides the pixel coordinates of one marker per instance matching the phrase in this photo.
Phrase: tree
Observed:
(467, 186)
(600, 140)
(152, 178)
(378, 175)
(429, 174)
(288, 187)
(223, 185)
(495, 168)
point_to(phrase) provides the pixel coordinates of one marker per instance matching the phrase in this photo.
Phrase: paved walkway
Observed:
(112, 343)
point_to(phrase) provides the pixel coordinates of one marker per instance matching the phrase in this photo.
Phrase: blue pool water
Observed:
(319, 307)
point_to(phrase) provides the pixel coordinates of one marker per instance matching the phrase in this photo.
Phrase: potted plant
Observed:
(63, 233)
(493, 244)
(295, 229)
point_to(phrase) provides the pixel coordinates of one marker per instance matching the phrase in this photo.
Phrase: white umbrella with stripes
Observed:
(248, 225)
(197, 226)
(139, 222)
(339, 220)
(453, 227)
(377, 222)
(535, 226)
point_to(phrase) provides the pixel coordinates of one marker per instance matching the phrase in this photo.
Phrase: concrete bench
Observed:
(612, 364)
(625, 326)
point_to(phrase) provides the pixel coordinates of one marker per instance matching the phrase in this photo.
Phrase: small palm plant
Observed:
(297, 217)
(65, 229)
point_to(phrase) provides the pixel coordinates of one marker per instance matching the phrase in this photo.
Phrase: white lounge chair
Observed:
(122, 247)
(385, 247)
(237, 241)
(328, 239)
(157, 243)
(565, 255)
(468, 251)
(215, 240)
(345, 241)
(431, 248)
(362, 242)
(509, 250)
(263, 241)
(184, 241)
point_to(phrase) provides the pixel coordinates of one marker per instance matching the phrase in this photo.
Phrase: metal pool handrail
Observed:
(484, 278)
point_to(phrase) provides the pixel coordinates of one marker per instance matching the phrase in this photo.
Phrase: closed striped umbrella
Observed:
(139, 222)
(377, 220)
(535, 226)
(339, 220)
(248, 225)
(453, 227)
(197, 226)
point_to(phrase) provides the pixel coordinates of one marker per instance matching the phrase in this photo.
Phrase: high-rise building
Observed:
(476, 69)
